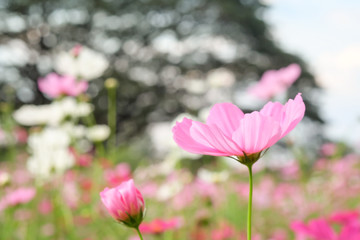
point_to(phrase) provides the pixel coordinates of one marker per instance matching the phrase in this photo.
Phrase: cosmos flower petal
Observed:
(256, 133)
(181, 133)
(225, 116)
(124, 203)
(294, 111)
(213, 136)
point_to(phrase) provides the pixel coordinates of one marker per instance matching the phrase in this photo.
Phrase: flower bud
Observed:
(111, 83)
(124, 203)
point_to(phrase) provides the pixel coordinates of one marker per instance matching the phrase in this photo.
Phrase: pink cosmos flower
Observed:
(159, 226)
(18, 196)
(55, 85)
(274, 82)
(124, 203)
(230, 132)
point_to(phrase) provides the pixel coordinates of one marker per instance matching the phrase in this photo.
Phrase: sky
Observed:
(326, 34)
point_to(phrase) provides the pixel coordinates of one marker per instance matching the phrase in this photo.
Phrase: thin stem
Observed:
(112, 115)
(249, 203)
(137, 229)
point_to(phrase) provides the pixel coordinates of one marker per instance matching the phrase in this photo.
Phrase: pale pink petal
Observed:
(225, 116)
(288, 115)
(256, 133)
(273, 82)
(294, 111)
(213, 136)
(55, 85)
(81, 87)
(290, 74)
(274, 110)
(72, 87)
(269, 77)
(50, 85)
(181, 135)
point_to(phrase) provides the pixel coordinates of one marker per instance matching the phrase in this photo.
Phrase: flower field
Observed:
(65, 177)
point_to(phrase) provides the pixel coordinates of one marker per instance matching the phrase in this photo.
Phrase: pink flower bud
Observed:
(124, 203)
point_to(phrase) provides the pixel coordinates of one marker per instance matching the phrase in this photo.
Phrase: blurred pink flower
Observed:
(328, 149)
(206, 189)
(158, 226)
(76, 50)
(274, 82)
(55, 85)
(71, 194)
(149, 189)
(83, 160)
(20, 176)
(21, 135)
(279, 235)
(346, 217)
(121, 173)
(230, 132)
(317, 229)
(45, 207)
(208, 192)
(224, 232)
(320, 228)
(124, 203)
(291, 170)
(18, 196)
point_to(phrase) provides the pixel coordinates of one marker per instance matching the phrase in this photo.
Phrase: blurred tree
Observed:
(163, 52)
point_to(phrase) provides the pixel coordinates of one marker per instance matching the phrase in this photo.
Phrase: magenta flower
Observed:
(55, 85)
(274, 82)
(124, 203)
(320, 229)
(346, 217)
(230, 132)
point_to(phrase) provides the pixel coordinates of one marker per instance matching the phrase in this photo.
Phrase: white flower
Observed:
(70, 107)
(51, 114)
(4, 178)
(75, 131)
(30, 115)
(169, 190)
(50, 153)
(213, 177)
(98, 133)
(221, 77)
(87, 65)
(14, 53)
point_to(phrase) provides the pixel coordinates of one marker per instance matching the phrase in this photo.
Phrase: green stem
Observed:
(112, 115)
(249, 203)
(138, 231)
